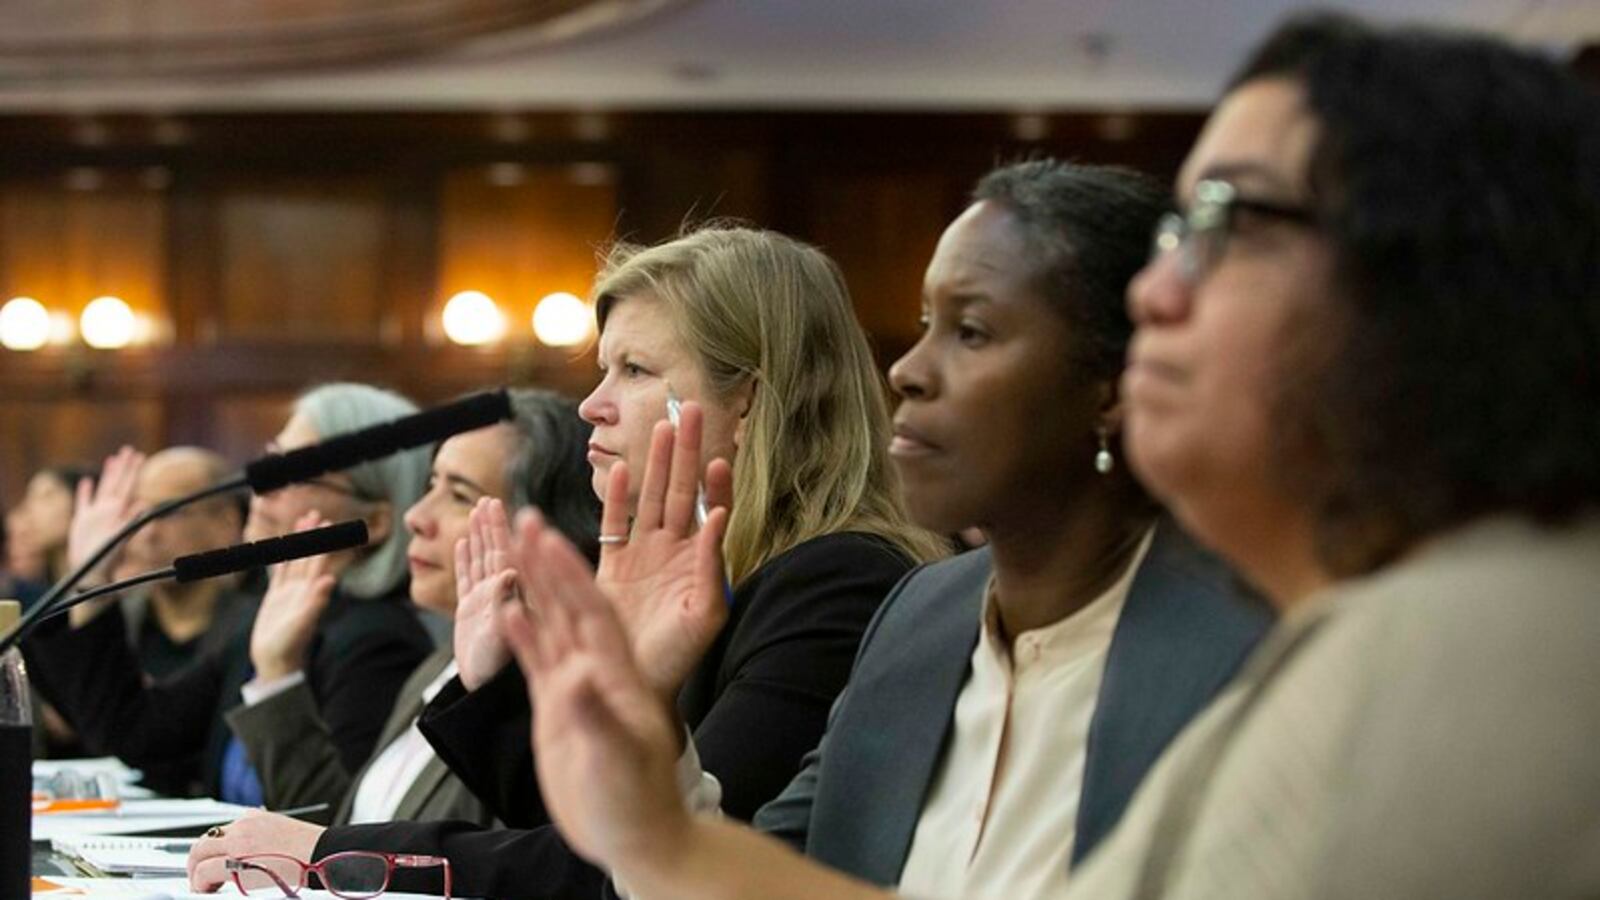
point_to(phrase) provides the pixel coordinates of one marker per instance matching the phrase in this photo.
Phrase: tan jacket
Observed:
(1429, 731)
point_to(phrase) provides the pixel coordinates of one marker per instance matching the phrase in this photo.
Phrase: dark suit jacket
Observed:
(362, 653)
(1183, 632)
(292, 750)
(757, 703)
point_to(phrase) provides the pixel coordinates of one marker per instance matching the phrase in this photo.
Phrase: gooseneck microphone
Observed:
(213, 563)
(277, 470)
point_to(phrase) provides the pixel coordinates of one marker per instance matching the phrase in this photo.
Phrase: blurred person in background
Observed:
(37, 526)
(170, 623)
(367, 642)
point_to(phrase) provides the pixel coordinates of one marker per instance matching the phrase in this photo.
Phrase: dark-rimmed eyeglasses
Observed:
(352, 875)
(1200, 235)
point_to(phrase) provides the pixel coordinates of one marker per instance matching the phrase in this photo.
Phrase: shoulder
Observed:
(850, 561)
(964, 575)
(839, 552)
(1502, 598)
(351, 621)
(840, 577)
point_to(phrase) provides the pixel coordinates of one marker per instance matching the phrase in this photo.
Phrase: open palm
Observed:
(485, 576)
(102, 508)
(666, 580)
(297, 593)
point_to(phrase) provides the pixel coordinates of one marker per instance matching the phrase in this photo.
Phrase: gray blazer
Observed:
(1184, 630)
(298, 764)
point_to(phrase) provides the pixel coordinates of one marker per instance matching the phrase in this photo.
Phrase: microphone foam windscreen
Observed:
(274, 471)
(270, 551)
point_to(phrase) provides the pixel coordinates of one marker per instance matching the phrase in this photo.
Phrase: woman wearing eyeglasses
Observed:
(1367, 370)
(366, 644)
(536, 457)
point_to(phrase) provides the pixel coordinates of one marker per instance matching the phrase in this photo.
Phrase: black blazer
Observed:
(756, 704)
(1183, 632)
(363, 651)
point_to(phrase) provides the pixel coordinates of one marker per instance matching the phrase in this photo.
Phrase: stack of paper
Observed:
(138, 817)
(128, 855)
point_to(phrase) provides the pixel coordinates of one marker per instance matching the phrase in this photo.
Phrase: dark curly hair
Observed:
(1458, 181)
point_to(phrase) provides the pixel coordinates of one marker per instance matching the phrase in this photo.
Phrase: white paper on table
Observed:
(88, 768)
(137, 817)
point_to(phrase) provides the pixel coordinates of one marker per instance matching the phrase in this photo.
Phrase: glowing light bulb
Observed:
(107, 323)
(472, 318)
(562, 320)
(24, 324)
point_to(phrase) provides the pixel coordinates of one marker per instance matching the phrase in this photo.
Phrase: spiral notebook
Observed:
(128, 855)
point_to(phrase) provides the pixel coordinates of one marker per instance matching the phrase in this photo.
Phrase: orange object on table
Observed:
(44, 807)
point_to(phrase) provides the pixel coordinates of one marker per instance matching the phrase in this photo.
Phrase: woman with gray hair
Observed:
(367, 640)
(537, 458)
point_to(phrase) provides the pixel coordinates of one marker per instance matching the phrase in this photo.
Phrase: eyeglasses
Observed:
(353, 875)
(1200, 235)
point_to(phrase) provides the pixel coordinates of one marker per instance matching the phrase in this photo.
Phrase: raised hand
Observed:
(297, 593)
(485, 576)
(666, 580)
(99, 511)
(255, 832)
(101, 508)
(604, 743)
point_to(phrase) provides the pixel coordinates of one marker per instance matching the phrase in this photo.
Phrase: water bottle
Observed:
(16, 766)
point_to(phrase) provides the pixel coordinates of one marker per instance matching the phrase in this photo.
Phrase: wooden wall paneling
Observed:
(116, 244)
(667, 186)
(301, 258)
(881, 229)
(66, 246)
(518, 234)
(69, 430)
(411, 251)
(33, 221)
(243, 422)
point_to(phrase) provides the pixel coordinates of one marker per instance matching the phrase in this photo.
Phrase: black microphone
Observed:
(212, 563)
(270, 551)
(277, 470)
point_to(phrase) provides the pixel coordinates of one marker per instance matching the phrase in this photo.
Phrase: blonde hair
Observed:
(757, 306)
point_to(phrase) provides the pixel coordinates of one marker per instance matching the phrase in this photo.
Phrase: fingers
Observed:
(477, 550)
(683, 480)
(118, 477)
(614, 513)
(719, 484)
(525, 641)
(554, 631)
(497, 537)
(463, 562)
(708, 567)
(206, 856)
(587, 609)
(653, 489)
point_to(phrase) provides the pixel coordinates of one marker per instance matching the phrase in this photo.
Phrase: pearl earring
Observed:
(1103, 461)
